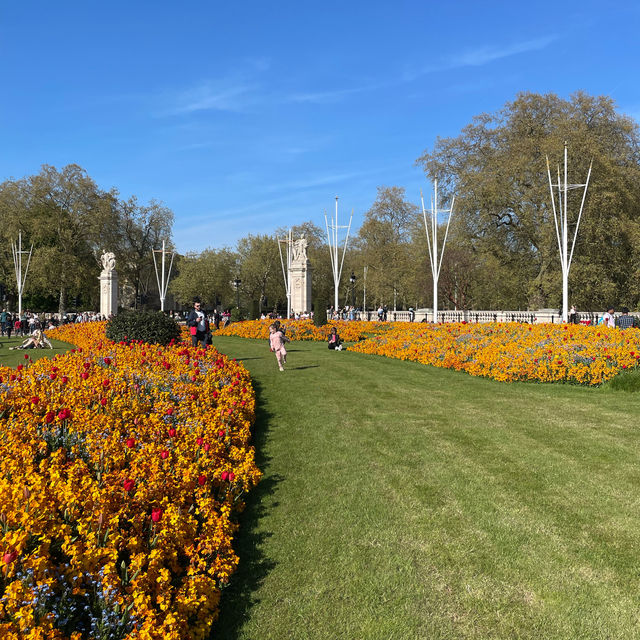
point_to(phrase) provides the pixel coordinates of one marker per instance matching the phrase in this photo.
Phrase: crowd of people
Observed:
(27, 323)
(343, 313)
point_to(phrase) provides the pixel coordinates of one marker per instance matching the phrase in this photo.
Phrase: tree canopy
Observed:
(497, 169)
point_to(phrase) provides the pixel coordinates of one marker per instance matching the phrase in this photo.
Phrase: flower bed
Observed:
(122, 467)
(304, 329)
(511, 351)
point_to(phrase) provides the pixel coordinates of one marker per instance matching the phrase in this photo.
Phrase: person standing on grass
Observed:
(276, 343)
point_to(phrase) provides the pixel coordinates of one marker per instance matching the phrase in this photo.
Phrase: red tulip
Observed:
(9, 556)
(107, 360)
(103, 402)
(232, 476)
(64, 414)
(207, 446)
(130, 443)
(199, 441)
(84, 375)
(221, 434)
(129, 484)
(50, 417)
(224, 475)
(156, 515)
(26, 356)
(64, 379)
(170, 411)
(35, 400)
(52, 376)
(87, 365)
(164, 454)
(172, 433)
(202, 479)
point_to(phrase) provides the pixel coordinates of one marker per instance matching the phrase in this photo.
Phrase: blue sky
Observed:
(247, 116)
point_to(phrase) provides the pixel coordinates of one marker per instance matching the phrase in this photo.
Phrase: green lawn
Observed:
(9, 358)
(401, 501)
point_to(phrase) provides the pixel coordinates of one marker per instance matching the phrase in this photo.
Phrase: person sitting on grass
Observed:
(334, 340)
(37, 341)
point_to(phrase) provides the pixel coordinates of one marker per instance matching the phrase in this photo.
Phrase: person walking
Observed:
(9, 326)
(276, 343)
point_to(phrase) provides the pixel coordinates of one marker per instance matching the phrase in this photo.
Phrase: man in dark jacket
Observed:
(197, 323)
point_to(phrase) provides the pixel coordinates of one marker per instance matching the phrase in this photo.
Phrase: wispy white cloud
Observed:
(313, 182)
(485, 55)
(481, 56)
(224, 95)
(245, 89)
(237, 91)
(328, 97)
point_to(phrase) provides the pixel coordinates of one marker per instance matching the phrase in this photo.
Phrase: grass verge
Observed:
(401, 501)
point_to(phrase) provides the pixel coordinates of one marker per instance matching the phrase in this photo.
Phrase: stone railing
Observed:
(530, 317)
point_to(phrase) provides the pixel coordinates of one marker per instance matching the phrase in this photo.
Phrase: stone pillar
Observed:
(108, 286)
(301, 286)
(300, 274)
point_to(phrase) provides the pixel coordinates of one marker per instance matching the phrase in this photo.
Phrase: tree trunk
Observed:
(62, 304)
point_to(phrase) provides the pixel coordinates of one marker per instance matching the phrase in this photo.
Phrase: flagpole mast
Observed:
(163, 283)
(334, 249)
(286, 274)
(435, 258)
(16, 250)
(561, 219)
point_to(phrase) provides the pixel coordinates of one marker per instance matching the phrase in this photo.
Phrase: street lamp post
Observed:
(352, 280)
(236, 283)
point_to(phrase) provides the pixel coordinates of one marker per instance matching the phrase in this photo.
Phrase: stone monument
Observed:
(300, 275)
(108, 286)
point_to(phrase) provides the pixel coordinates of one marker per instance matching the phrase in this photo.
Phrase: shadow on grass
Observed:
(254, 566)
(309, 366)
(625, 381)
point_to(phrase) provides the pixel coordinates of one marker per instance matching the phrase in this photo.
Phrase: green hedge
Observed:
(149, 326)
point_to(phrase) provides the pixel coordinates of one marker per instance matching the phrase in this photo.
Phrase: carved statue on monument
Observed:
(300, 275)
(108, 285)
(108, 262)
(300, 249)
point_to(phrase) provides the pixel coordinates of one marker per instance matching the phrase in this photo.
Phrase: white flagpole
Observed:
(561, 219)
(334, 249)
(16, 250)
(286, 273)
(163, 283)
(432, 240)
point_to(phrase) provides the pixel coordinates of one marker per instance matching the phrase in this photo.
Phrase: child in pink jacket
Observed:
(276, 342)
